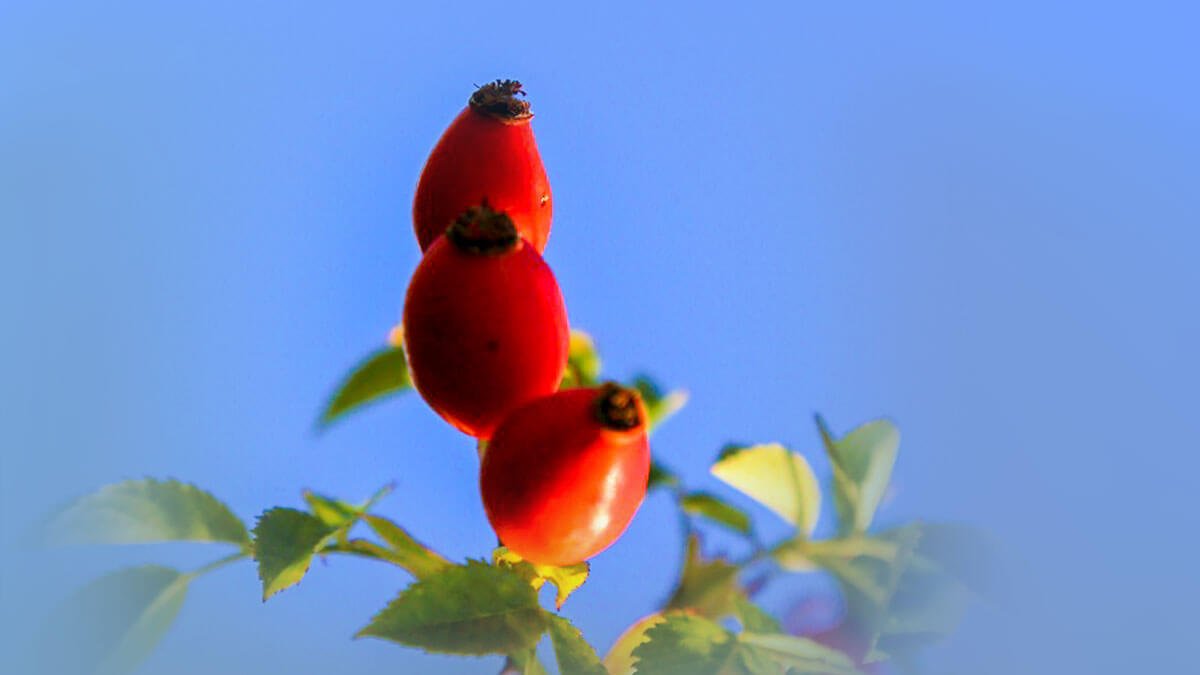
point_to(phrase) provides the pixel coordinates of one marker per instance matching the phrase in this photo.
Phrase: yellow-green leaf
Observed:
(583, 362)
(777, 478)
(660, 405)
(407, 552)
(619, 659)
(381, 374)
(566, 580)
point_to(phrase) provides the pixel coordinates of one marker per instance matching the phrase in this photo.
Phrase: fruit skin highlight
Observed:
(485, 325)
(486, 155)
(564, 475)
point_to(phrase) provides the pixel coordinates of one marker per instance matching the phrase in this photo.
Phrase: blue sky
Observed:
(979, 222)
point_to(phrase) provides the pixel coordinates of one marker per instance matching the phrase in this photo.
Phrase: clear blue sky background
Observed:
(981, 222)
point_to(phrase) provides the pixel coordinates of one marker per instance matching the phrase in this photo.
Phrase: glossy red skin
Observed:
(559, 487)
(483, 334)
(481, 158)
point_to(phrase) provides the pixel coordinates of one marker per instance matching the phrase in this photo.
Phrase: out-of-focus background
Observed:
(978, 221)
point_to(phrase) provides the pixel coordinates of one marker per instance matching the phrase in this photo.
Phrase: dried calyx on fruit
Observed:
(484, 231)
(487, 154)
(502, 99)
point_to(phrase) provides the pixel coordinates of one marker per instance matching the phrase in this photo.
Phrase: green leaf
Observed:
(111, 625)
(862, 468)
(583, 362)
(690, 645)
(333, 512)
(717, 510)
(619, 659)
(524, 662)
(381, 374)
(574, 655)
(752, 617)
(965, 553)
(659, 405)
(339, 514)
(566, 580)
(777, 478)
(284, 543)
(464, 609)
(407, 552)
(706, 587)
(146, 511)
(661, 476)
(801, 655)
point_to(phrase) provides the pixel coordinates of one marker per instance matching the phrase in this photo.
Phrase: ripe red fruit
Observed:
(486, 155)
(485, 327)
(563, 475)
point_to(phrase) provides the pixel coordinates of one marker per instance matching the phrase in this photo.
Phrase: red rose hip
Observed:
(564, 475)
(485, 327)
(486, 155)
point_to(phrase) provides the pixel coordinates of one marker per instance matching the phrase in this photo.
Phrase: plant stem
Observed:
(232, 558)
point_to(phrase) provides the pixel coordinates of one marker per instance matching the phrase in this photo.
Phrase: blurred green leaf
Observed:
(285, 541)
(407, 552)
(752, 617)
(524, 662)
(381, 374)
(146, 511)
(690, 645)
(963, 552)
(111, 625)
(661, 476)
(583, 362)
(464, 609)
(574, 655)
(717, 510)
(777, 478)
(862, 468)
(707, 587)
(566, 580)
(659, 405)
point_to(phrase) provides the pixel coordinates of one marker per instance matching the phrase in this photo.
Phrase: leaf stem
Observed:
(216, 564)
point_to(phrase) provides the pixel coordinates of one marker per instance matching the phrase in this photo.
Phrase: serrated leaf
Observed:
(717, 510)
(619, 659)
(752, 617)
(583, 362)
(862, 468)
(409, 553)
(566, 579)
(464, 609)
(660, 476)
(146, 511)
(285, 541)
(777, 478)
(659, 405)
(690, 645)
(381, 374)
(111, 625)
(574, 655)
(706, 587)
